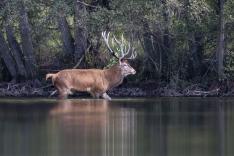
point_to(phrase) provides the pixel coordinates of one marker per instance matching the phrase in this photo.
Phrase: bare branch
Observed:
(85, 4)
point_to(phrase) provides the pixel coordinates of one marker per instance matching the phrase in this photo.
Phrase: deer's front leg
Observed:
(106, 96)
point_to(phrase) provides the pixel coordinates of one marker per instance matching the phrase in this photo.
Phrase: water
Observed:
(122, 127)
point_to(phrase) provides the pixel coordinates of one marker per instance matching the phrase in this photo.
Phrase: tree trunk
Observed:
(196, 54)
(166, 47)
(103, 3)
(27, 46)
(16, 52)
(7, 58)
(153, 47)
(106, 3)
(80, 31)
(66, 37)
(220, 42)
(194, 46)
(151, 67)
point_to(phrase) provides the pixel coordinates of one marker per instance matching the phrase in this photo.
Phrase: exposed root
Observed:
(195, 90)
(29, 88)
(35, 88)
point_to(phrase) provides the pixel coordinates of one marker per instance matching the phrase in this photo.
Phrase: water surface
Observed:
(121, 127)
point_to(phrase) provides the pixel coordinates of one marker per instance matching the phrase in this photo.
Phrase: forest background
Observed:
(184, 47)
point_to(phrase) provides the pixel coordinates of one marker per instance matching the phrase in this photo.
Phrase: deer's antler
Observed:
(123, 46)
(106, 40)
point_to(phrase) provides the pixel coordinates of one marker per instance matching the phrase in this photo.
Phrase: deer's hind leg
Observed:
(95, 95)
(63, 89)
(63, 93)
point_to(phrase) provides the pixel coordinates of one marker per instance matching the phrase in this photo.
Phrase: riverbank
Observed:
(148, 89)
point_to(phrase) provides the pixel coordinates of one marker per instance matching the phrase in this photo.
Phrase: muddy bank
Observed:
(43, 89)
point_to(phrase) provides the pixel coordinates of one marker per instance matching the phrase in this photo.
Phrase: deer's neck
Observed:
(113, 76)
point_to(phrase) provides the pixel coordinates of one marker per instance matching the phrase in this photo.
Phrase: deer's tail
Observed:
(52, 76)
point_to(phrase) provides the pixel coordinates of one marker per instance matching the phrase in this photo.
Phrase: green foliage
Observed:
(171, 26)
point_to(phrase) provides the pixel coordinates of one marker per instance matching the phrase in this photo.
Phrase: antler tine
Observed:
(117, 41)
(134, 54)
(129, 47)
(122, 38)
(121, 46)
(106, 40)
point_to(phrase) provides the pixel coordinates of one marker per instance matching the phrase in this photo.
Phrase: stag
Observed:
(96, 81)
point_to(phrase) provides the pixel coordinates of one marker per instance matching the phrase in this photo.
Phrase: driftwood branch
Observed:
(52, 93)
(79, 62)
(214, 92)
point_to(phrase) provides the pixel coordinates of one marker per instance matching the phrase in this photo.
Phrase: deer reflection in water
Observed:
(95, 127)
(80, 107)
(86, 112)
(75, 106)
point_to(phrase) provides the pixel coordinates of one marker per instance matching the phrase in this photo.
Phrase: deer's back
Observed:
(81, 79)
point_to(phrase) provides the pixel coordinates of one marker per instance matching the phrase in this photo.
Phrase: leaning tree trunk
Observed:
(7, 58)
(27, 46)
(220, 41)
(16, 52)
(80, 31)
(66, 37)
(195, 46)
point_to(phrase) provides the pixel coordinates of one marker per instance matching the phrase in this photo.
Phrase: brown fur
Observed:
(94, 81)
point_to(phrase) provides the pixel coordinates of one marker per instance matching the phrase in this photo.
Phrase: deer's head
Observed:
(126, 52)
